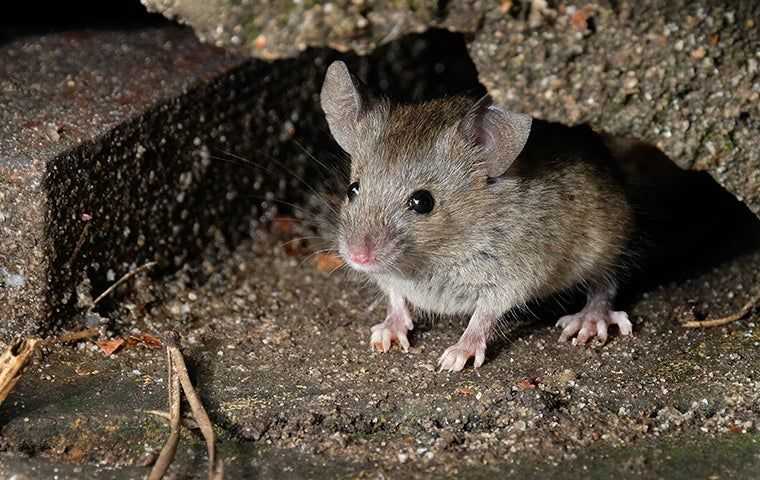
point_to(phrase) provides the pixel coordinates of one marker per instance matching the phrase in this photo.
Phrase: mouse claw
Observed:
(403, 342)
(384, 335)
(455, 357)
(590, 323)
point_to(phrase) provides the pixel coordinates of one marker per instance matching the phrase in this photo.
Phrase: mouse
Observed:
(458, 206)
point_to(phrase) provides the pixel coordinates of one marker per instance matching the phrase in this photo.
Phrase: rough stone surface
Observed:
(683, 75)
(77, 145)
(120, 147)
(276, 343)
(285, 29)
(278, 349)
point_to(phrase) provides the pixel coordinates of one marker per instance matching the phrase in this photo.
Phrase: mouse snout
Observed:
(363, 252)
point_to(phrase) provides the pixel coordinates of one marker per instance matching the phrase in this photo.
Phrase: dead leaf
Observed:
(75, 454)
(464, 391)
(143, 339)
(260, 42)
(295, 248)
(284, 225)
(327, 262)
(579, 19)
(110, 347)
(527, 384)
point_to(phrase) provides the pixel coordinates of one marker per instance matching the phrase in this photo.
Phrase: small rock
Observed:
(566, 376)
(698, 53)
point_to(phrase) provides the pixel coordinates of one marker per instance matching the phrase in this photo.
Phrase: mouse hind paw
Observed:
(593, 322)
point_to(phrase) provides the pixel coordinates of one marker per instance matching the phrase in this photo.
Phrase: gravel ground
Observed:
(278, 349)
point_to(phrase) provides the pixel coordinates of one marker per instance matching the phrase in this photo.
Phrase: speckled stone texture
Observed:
(283, 29)
(680, 74)
(121, 147)
(83, 140)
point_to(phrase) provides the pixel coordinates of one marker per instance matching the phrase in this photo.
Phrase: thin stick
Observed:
(717, 322)
(123, 279)
(166, 456)
(216, 466)
(80, 242)
(70, 337)
(188, 423)
(12, 362)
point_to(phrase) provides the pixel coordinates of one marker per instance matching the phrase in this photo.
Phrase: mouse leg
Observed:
(397, 323)
(472, 343)
(594, 319)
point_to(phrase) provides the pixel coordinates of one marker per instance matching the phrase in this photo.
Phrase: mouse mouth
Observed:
(366, 260)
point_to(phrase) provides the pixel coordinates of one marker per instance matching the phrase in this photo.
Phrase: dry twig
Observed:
(170, 448)
(12, 362)
(178, 376)
(123, 279)
(717, 322)
(188, 423)
(71, 337)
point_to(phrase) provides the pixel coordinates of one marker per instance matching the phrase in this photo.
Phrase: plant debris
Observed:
(123, 279)
(178, 376)
(109, 347)
(327, 262)
(12, 363)
(717, 322)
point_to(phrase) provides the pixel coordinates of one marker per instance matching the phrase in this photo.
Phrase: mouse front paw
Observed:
(393, 330)
(384, 335)
(455, 357)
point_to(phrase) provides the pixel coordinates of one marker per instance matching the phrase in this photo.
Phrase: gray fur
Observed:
(549, 223)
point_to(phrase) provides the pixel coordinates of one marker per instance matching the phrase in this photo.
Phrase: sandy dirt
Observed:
(278, 350)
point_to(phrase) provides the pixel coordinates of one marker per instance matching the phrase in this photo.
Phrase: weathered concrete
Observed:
(284, 29)
(683, 75)
(679, 74)
(278, 351)
(84, 124)
(118, 147)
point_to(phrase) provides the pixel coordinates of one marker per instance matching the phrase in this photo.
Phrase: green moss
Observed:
(728, 456)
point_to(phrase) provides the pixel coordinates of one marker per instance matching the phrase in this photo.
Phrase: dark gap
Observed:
(688, 225)
(38, 17)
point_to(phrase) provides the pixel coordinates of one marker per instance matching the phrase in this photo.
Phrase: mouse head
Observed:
(422, 175)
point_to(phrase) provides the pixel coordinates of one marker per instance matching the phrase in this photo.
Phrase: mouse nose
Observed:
(363, 254)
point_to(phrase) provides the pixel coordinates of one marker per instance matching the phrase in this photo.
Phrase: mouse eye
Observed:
(421, 201)
(353, 191)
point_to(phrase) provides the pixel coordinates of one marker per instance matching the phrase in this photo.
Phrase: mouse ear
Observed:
(343, 101)
(501, 134)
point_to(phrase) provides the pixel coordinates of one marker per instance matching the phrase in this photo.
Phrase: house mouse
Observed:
(458, 206)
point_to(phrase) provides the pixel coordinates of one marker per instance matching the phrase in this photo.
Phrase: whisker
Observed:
(303, 182)
(313, 254)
